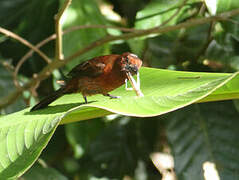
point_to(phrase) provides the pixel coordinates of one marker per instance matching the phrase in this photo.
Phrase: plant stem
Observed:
(58, 16)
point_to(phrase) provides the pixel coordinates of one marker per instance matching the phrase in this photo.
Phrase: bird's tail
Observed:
(47, 100)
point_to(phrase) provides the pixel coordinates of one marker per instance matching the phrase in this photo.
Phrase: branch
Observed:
(25, 42)
(58, 16)
(57, 64)
(28, 55)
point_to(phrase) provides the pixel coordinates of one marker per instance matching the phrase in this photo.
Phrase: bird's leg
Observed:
(111, 96)
(85, 100)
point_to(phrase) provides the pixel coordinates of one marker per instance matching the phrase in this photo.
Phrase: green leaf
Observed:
(164, 91)
(157, 12)
(24, 134)
(219, 6)
(230, 28)
(102, 142)
(22, 139)
(116, 148)
(205, 133)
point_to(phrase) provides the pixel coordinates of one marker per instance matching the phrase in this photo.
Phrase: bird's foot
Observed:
(112, 96)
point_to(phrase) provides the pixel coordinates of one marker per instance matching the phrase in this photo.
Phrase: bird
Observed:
(99, 75)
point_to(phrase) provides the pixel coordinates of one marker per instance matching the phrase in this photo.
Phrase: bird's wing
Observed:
(90, 68)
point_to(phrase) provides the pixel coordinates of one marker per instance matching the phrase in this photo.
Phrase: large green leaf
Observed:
(205, 133)
(164, 91)
(24, 134)
(22, 139)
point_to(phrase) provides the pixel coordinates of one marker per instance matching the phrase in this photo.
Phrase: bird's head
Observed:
(130, 63)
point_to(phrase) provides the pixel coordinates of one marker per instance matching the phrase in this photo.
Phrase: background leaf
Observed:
(157, 12)
(14, 15)
(83, 12)
(76, 135)
(6, 84)
(203, 133)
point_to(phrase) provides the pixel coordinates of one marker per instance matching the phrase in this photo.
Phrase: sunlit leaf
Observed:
(219, 6)
(22, 139)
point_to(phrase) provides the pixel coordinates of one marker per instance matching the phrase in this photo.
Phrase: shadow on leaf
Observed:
(56, 109)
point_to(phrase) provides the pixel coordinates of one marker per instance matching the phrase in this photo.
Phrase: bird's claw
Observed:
(115, 97)
(112, 96)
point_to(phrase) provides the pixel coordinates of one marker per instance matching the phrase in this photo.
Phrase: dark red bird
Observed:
(99, 75)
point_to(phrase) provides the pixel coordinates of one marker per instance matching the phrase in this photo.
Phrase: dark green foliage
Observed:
(205, 132)
(32, 20)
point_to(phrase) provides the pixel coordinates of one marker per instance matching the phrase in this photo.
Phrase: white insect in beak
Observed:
(135, 85)
(138, 80)
(126, 86)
